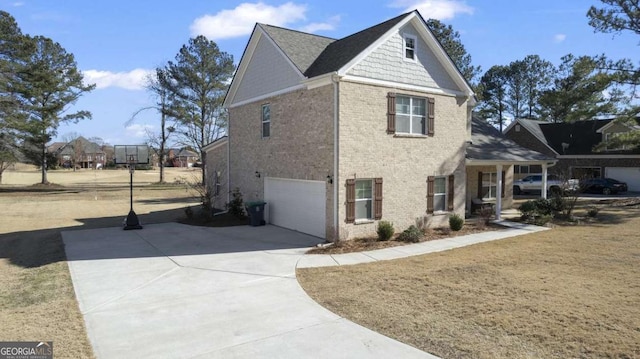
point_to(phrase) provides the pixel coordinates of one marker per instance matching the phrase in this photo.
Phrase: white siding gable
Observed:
(387, 63)
(268, 71)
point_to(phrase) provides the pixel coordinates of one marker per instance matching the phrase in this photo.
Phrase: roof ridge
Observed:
(298, 31)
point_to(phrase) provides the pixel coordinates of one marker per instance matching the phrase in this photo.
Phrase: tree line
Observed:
(40, 82)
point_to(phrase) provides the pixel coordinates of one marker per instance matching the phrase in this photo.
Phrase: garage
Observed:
(299, 205)
(630, 175)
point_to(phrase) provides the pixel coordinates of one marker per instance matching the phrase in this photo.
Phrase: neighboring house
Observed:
(80, 152)
(491, 160)
(181, 157)
(336, 135)
(572, 144)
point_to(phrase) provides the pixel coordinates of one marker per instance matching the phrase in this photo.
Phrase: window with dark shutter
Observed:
(351, 201)
(377, 205)
(450, 193)
(431, 116)
(430, 189)
(391, 113)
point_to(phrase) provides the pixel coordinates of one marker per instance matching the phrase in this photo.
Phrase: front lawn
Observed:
(570, 292)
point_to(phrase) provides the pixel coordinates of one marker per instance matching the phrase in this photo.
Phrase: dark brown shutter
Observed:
(430, 189)
(391, 113)
(450, 193)
(431, 116)
(377, 206)
(502, 184)
(351, 201)
(480, 185)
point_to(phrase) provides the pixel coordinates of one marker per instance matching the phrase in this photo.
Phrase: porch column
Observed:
(543, 190)
(498, 191)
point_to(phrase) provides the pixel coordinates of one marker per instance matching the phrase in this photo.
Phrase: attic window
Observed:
(410, 47)
(517, 128)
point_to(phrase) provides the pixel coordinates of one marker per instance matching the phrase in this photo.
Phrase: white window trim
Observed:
(493, 182)
(411, 117)
(368, 219)
(262, 120)
(404, 47)
(437, 194)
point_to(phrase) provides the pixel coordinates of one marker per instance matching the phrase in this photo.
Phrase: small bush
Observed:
(456, 222)
(542, 220)
(236, 206)
(385, 230)
(485, 215)
(593, 212)
(528, 209)
(411, 234)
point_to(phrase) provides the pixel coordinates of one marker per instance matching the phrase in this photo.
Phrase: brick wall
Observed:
(367, 151)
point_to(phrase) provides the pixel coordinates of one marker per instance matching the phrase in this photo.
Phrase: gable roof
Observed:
(301, 48)
(83, 144)
(314, 56)
(339, 53)
(488, 144)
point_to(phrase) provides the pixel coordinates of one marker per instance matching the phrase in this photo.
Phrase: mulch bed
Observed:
(372, 243)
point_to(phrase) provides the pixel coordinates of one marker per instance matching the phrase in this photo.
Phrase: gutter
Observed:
(335, 79)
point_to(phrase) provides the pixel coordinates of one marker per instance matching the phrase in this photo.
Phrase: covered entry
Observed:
(299, 205)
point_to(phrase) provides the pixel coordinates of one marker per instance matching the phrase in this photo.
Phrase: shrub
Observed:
(593, 212)
(189, 212)
(411, 234)
(456, 222)
(542, 220)
(385, 230)
(236, 206)
(528, 209)
(485, 215)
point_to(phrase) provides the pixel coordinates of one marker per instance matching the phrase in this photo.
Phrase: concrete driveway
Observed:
(177, 291)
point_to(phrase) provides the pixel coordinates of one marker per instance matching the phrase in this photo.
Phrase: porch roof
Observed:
(489, 146)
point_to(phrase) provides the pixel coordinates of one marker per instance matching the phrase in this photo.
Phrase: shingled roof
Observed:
(576, 138)
(488, 144)
(317, 55)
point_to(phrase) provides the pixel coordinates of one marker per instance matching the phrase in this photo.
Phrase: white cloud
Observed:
(435, 9)
(558, 38)
(18, 3)
(132, 80)
(138, 131)
(241, 20)
(314, 27)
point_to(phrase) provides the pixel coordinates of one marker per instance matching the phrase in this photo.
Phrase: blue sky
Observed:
(117, 42)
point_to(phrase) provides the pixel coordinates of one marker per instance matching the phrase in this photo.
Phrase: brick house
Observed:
(336, 135)
(572, 144)
(80, 152)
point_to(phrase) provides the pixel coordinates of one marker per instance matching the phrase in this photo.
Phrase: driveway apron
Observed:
(178, 291)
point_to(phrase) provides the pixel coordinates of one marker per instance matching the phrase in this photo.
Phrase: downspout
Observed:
(228, 167)
(336, 179)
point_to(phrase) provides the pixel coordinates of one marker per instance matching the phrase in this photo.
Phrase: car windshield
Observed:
(611, 180)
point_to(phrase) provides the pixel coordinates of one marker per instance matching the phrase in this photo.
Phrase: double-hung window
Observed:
(411, 115)
(440, 194)
(489, 185)
(364, 199)
(266, 121)
(409, 47)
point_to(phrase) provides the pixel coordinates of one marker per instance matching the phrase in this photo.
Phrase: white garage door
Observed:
(296, 204)
(630, 175)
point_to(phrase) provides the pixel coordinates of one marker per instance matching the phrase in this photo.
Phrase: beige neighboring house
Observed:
(336, 135)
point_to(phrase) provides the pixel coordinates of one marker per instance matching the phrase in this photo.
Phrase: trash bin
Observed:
(256, 212)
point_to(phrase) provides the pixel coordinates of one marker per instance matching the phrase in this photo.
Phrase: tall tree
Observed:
(617, 16)
(581, 90)
(494, 95)
(450, 41)
(156, 85)
(47, 88)
(197, 82)
(537, 78)
(516, 90)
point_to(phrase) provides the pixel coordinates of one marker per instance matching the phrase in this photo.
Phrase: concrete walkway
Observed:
(177, 291)
(512, 229)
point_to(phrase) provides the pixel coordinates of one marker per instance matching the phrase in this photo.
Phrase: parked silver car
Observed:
(555, 185)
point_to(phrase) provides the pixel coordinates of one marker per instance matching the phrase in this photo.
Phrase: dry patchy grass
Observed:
(37, 300)
(570, 292)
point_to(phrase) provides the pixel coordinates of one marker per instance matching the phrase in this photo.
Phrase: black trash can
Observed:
(256, 212)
